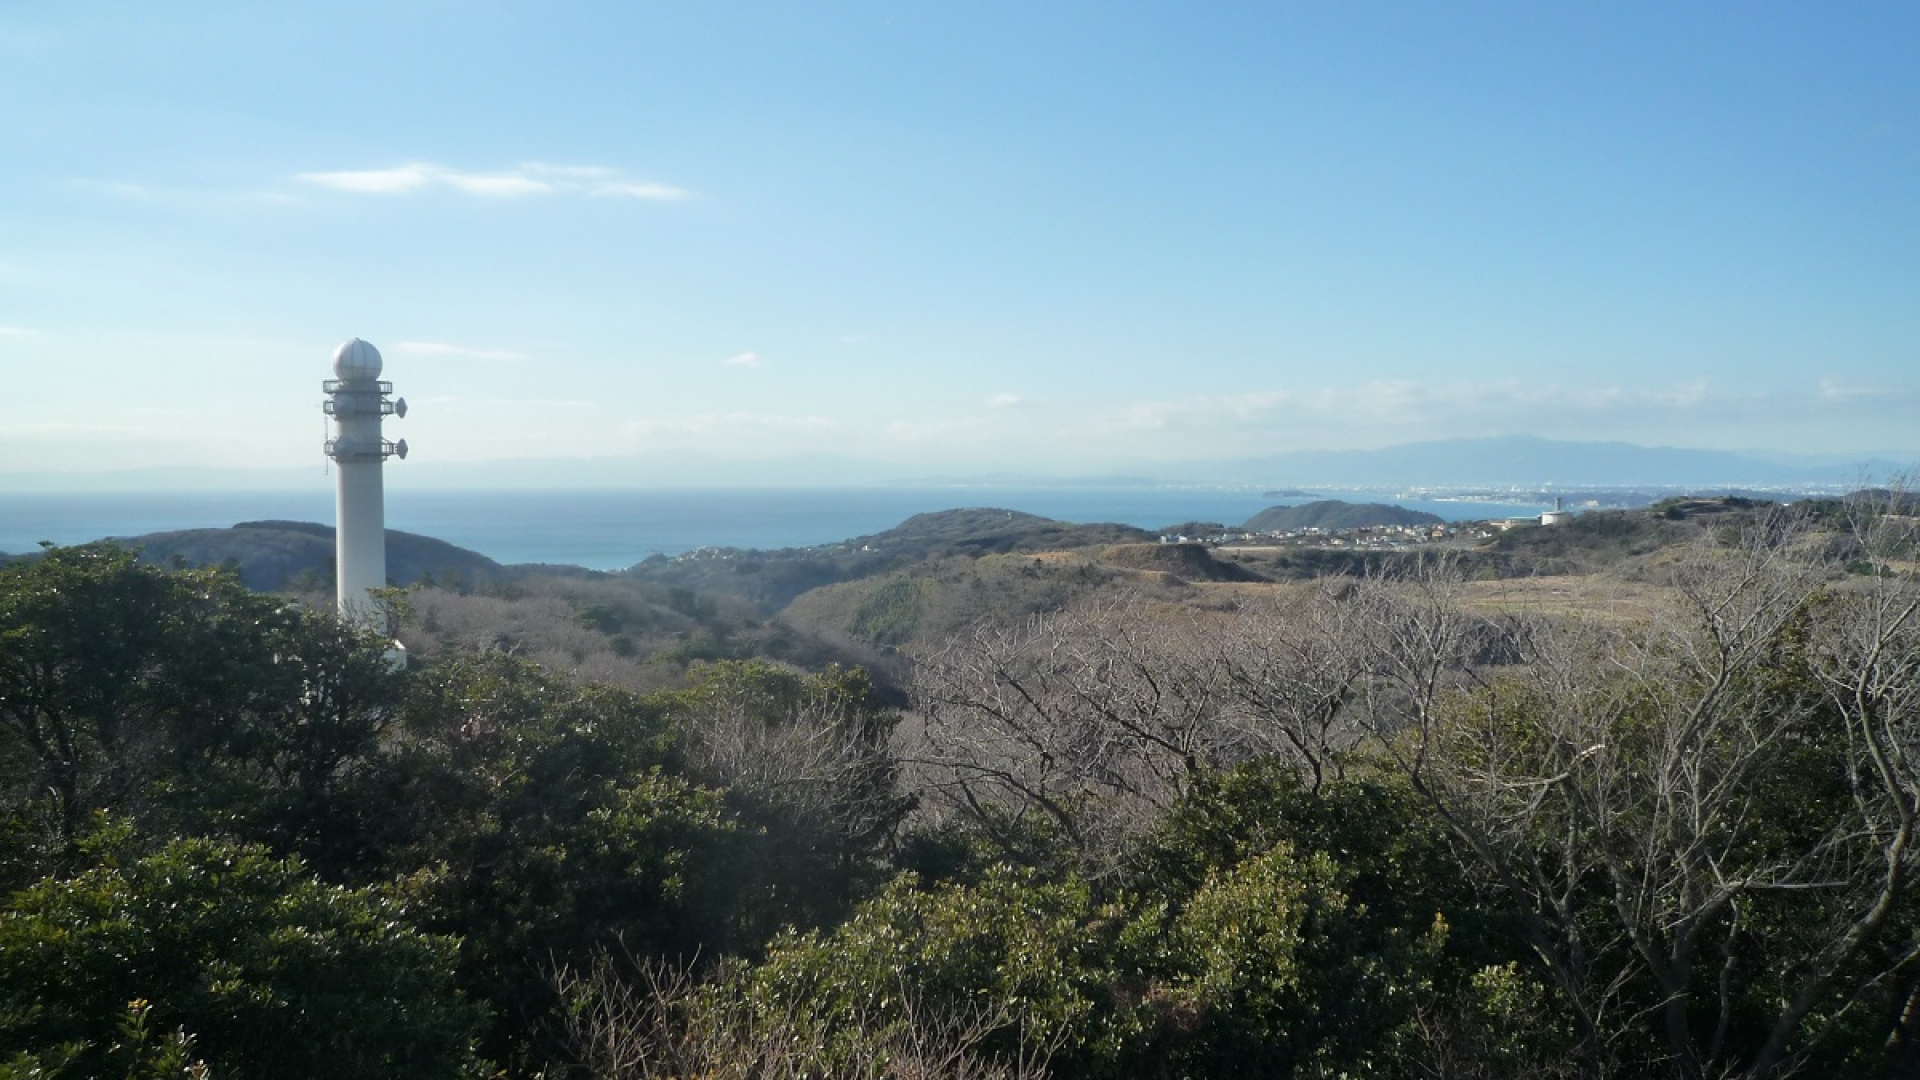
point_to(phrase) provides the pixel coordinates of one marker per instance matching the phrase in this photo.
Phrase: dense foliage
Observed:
(272, 971)
(1370, 828)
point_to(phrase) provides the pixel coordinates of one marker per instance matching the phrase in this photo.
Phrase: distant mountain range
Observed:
(1525, 461)
(1499, 462)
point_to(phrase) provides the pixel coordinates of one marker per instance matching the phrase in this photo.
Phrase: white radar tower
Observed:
(357, 401)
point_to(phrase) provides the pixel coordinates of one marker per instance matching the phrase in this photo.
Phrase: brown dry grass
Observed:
(1597, 597)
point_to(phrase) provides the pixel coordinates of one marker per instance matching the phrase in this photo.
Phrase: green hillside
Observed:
(1333, 515)
(274, 555)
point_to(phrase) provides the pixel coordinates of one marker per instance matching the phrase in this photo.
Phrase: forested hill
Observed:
(1333, 514)
(274, 555)
(986, 531)
(772, 579)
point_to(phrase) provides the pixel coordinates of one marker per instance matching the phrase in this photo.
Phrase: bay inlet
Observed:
(612, 529)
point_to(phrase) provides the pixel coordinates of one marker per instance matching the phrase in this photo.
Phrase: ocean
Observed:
(612, 529)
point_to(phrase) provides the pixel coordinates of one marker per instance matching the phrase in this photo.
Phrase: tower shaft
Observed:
(358, 402)
(360, 541)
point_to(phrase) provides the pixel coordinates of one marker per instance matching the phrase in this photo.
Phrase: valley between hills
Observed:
(982, 796)
(864, 600)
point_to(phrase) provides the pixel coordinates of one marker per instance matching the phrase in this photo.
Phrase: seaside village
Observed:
(1370, 537)
(1363, 538)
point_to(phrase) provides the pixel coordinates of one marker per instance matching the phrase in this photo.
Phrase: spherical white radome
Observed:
(356, 361)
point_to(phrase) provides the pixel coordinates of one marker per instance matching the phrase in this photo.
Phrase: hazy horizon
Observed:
(1448, 464)
(1071, 238)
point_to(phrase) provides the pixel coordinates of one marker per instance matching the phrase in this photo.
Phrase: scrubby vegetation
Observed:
(1087, 810)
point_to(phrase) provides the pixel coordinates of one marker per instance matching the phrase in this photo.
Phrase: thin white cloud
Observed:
(1005, 401)
(746, 360)
(457, 401)
(395, 181)
(440, 348)
(631, 190)
(1386, 412)
(16, 332)
(1833, 391)
(1386, 401)
(67, 428)
(531, 179)
(928, 431)
(599, 181)
(708, 424)
(501, 186)
(122, 189)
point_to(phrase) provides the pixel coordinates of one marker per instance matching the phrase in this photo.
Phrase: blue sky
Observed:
(1070, 237)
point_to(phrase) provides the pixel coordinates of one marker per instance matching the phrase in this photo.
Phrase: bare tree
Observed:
(1316, 676)
(1663, 800)
(1086, 723)
(1093, 721)
(1705, 819)
(1865, 654)
(815, 747)
(1295, 666)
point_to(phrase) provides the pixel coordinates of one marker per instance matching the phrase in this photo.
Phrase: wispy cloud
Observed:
(1005, 401)
(1833, 391)
(944, 431)
(439, 348)
(746, 360)
(529, 179)
(710, 424)
(633, 190)
(1388, 401)
(1385, 412)
(394, 181)
(66, 428)
(119, 189)
(16, 332)
(465, 403)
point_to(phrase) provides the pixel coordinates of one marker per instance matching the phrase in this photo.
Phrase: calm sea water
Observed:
(606, 530)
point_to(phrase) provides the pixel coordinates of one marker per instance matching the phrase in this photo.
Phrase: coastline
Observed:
(615, 528)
